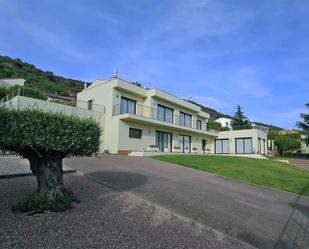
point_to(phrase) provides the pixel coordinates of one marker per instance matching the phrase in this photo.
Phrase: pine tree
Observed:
(304, 125)
(240, 121)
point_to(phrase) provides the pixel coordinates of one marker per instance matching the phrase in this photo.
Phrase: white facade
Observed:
(162, 122)
(7, 83)
(136, 119)
(225, 122)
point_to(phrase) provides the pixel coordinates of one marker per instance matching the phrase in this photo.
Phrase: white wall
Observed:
(225, 122)
(255, 134)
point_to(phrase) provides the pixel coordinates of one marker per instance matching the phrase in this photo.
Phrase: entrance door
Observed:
(164, 141)
(204, 143)
(185, 143)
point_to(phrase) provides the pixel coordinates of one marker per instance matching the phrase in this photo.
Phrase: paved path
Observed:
(11, 166)
(300, 163)
(263, 217)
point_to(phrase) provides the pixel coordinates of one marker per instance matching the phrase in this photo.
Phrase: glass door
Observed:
(185, 143)
(164, 141)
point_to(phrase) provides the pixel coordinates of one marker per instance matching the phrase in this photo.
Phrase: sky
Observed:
(219, 53)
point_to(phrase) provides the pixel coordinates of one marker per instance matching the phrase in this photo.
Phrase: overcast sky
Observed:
(218, 53)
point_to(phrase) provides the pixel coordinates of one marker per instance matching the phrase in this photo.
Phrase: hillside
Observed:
(215, 115)
(38, 79)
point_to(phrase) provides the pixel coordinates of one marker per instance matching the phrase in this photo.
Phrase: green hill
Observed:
(37, 79)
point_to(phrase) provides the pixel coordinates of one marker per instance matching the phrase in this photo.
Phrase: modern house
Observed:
(145, 120)
(141, 121)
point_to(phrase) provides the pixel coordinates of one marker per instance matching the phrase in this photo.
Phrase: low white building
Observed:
(225, 122)
(7, 83)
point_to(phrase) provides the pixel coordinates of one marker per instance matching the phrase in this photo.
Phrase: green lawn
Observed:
(263, 172)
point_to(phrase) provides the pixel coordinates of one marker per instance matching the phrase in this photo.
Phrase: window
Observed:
(185, 119)
(165, 114)
(135, 133)
(222, 146)
(226, 124)
(199, 124)
(90, 104)
(127, 106)
(243, 145)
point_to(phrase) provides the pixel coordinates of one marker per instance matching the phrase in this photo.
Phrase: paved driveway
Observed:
(263, 217)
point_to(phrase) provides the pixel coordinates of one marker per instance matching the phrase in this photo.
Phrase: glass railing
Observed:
(152, 113)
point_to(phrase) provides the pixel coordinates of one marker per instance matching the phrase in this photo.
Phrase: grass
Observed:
(268, 173)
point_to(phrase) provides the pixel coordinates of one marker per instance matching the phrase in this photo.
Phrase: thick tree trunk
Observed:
(49, 174)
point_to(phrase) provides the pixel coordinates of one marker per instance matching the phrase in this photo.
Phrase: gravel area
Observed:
(105, 218)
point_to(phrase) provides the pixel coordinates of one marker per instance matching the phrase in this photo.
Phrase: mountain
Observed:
(38, 79)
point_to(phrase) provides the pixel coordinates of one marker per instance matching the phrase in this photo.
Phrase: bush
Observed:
(286, 143)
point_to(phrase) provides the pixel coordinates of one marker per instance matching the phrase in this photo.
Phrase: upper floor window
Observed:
(185, 119)
(127, 106)
(199, 124)
(165, 114)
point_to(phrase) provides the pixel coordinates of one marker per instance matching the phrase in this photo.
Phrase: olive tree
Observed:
(45, 138)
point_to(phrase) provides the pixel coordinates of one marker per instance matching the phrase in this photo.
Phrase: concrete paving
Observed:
(262, 217)
(11, 166)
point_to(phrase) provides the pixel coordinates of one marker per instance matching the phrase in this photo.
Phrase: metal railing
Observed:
(156, 114)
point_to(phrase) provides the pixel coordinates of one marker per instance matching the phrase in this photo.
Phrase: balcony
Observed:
(155, 116)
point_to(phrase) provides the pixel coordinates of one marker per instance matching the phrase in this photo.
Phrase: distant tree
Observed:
(240, 121)
(3, 92)
(304, 124)
(286, 143)
(44, 139)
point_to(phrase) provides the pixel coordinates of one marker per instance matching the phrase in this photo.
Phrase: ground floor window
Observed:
(135, 133)
(164, 141)
(222, 146)
(243, 145)
(185, 143)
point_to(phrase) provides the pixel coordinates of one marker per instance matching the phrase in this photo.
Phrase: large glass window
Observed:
(185, 143)
(165, 114)
(222, 146)
(127, 106)
(243, 145)
(185, 119)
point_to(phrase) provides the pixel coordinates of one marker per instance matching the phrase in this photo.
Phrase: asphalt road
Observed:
(262, 217)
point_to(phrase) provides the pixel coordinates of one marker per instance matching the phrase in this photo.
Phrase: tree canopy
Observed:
(240, 121)
(286, 143)
(304, 124)
(40, 132)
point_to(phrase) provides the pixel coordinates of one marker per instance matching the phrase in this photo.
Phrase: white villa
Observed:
(141, 121)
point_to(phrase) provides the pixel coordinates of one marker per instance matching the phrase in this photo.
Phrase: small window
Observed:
(135, 133)
(90, 104)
